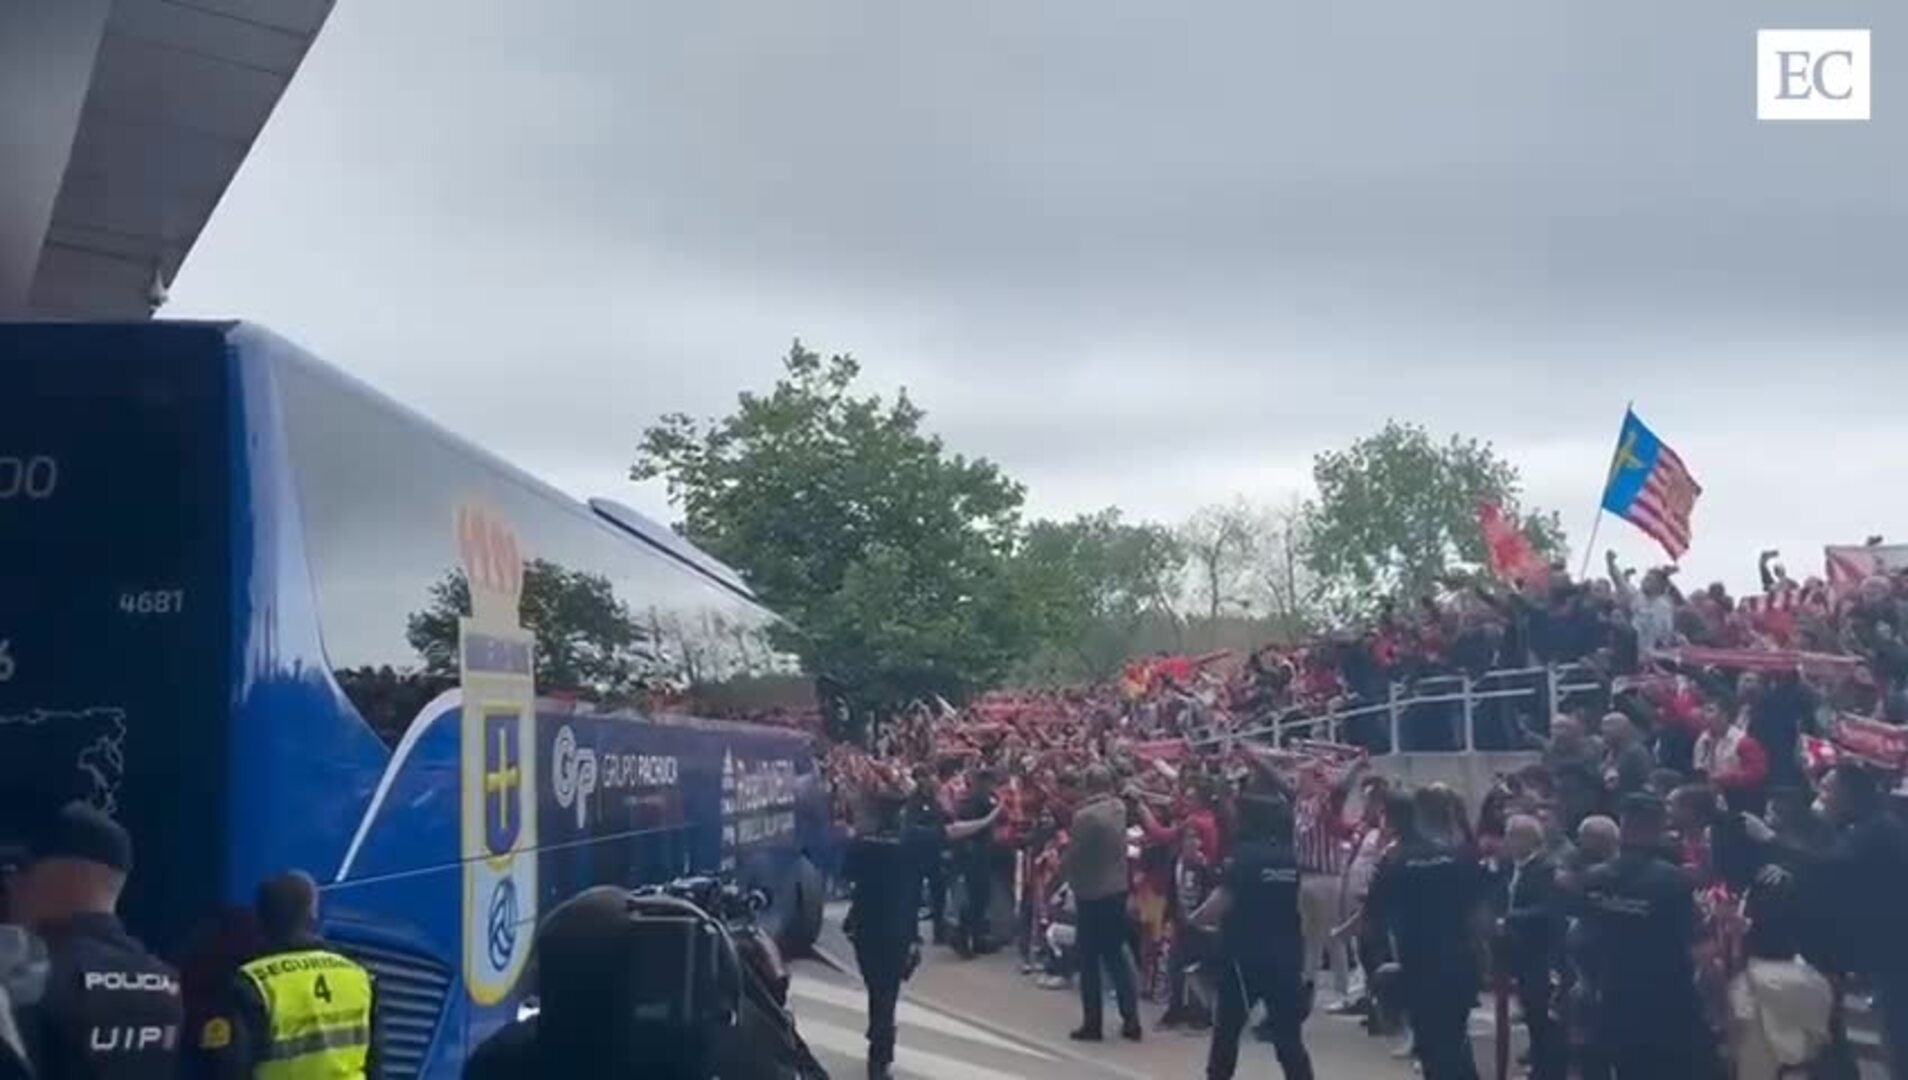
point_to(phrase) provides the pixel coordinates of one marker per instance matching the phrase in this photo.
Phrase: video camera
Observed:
(676, 978)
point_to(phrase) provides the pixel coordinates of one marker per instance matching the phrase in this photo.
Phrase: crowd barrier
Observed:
(1546, 688)
(1454, 704)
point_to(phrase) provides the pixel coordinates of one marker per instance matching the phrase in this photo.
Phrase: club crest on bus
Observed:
(497, 667)
(503, 782)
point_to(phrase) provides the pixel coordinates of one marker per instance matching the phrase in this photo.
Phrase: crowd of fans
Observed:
(1767, 727)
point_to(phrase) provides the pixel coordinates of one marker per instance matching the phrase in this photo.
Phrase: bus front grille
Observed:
(411, 990)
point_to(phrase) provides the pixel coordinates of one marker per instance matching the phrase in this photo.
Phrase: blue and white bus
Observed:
(271, 620)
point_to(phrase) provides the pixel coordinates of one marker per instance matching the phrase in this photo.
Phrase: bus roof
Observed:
(608, 514)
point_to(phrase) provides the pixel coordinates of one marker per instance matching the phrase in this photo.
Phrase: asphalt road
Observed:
(935, 1043)
(982, 1020)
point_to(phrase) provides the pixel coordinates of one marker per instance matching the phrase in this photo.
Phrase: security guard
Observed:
(885, 864)
(300, 1011)
(1257, 910)
(1431, 897)
(109, 1010)
(1640, 927)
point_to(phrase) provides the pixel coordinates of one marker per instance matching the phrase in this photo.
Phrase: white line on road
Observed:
(907, 1061)
(908, 1014)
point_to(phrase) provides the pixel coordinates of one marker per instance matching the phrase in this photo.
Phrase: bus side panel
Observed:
(621, 801)
(401, 888)
(301, 770)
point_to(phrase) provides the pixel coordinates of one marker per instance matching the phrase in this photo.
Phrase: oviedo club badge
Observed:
(496, 665)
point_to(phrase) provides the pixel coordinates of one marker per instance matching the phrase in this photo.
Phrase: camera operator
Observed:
(585, 989)
(885, 865)
(663, 982)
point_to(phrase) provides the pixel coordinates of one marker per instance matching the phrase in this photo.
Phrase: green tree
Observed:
(889, 556)
(1093, 582)
(1396, 510)
(588, 642)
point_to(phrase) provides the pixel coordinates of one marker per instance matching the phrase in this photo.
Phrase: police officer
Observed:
(109, 1010)
(1431, 896)
(974, 859)
(885, 864)
(299, 1011)
(1640, 927)
(1257, 910)
(924, 808)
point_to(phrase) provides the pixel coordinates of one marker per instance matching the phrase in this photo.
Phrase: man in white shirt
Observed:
(1779, 1006)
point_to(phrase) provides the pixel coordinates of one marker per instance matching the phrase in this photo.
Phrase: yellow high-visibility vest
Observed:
(319, 1007)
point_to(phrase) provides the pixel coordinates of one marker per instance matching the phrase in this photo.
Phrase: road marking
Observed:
(907, 1060)
(909, 1014)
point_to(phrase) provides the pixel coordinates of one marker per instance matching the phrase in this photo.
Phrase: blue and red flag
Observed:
(1650, 487)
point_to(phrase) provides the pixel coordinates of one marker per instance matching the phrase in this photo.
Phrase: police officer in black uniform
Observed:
(1431, 897)
(1257, 910)
(1640, 926)
(885, 864)
(924, 808)
(974, 858)
(110, 1010)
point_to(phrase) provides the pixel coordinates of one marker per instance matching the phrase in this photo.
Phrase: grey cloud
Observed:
(1107, 243)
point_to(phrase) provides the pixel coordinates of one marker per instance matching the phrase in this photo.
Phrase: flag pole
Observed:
(1596, 522)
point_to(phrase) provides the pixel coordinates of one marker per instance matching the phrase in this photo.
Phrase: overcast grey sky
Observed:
(1139, 253)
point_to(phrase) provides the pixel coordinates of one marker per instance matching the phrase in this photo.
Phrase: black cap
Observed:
(78, 831)
(584, 932)
(583, 961)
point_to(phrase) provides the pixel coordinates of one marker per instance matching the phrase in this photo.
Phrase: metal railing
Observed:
(1546, 688)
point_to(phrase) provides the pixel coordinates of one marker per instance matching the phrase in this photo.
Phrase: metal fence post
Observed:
(1470, 715)
(1391, 705)
(1550, 682)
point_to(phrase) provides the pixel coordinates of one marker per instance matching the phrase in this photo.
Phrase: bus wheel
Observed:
(805, 914)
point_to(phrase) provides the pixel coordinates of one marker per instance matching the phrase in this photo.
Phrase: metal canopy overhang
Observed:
(180, 90)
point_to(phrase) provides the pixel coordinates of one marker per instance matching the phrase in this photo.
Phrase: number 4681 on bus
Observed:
(152, 602)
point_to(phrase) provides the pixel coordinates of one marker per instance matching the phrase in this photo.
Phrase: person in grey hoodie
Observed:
(1095, 867)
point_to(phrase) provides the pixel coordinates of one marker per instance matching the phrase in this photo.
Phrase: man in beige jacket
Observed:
(1095, 867)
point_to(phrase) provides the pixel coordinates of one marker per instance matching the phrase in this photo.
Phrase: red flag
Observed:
(1512, 556)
